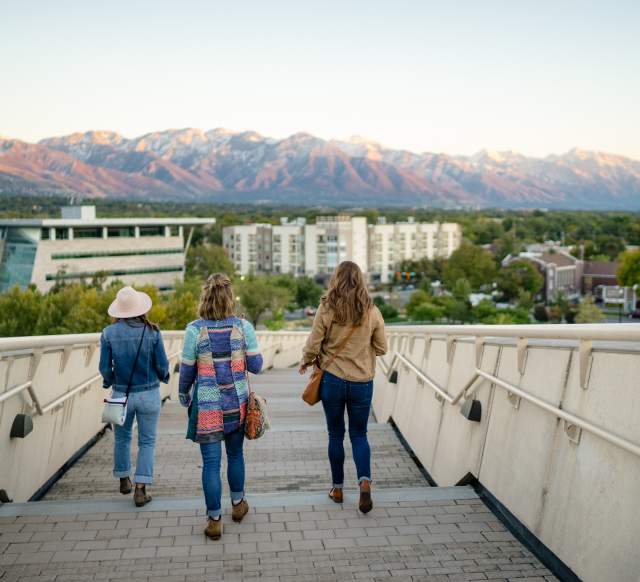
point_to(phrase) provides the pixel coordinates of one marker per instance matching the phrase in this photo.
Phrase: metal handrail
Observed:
(569, 418)
(629, 332)
(42, 410)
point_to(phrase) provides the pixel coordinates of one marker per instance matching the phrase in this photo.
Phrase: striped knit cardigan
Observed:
(214, 350)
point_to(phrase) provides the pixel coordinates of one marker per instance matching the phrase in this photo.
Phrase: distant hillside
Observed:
(221, 165)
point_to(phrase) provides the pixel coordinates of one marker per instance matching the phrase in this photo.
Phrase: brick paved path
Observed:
(85, 531)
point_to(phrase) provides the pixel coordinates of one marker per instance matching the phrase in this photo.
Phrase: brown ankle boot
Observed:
(214, 528)
(336, 494)
(366, 504)
(239, 510)
(140, 496)
(125, 485)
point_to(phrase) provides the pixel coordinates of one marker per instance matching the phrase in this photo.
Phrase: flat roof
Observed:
(60, 222)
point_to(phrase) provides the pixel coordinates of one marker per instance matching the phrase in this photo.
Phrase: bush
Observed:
(540, 313)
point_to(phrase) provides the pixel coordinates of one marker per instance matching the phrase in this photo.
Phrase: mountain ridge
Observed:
(221, 165)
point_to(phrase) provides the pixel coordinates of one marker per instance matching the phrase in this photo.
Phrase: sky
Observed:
(537, 77)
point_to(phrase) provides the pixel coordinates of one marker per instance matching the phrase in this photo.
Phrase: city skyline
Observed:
(534, 78)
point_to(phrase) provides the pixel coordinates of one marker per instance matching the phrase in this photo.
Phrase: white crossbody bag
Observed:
(115, 409)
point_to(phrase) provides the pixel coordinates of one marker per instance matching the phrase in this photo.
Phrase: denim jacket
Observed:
(118, 347)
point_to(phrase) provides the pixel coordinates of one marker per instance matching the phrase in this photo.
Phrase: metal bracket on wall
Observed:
(479, 344)
(451, 346)
(427, 348)
(572, 431)
(586, 359)
(64, 358)
(522, 350)
(88, 354)
(514, 399)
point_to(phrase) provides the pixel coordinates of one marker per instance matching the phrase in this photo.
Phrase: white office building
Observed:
(79, 246)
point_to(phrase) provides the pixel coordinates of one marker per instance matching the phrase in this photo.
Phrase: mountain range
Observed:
(226, 166)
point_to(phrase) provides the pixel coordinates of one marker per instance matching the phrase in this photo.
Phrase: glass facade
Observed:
(114, 253)
(93, 232)
(19, 247)
(152, 231)
(114, 273)
(125, 231)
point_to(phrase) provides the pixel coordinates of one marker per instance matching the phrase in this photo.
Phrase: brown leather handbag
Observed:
(311, 394)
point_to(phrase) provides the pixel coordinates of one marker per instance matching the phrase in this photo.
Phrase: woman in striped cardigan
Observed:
(220, 349)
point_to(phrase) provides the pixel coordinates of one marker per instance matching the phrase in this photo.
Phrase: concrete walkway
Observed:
(86, 530)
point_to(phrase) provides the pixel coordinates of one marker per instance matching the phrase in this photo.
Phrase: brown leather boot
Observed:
(365, 505)
(239, 510)
(336, 495)
(214, 528)
(125, 485)
(140, 496)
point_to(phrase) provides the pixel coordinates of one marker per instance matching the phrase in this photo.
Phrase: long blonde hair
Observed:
(217, 300)
(347, 296)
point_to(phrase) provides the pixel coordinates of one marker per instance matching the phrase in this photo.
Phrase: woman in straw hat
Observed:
(220, 349)
(133, 362)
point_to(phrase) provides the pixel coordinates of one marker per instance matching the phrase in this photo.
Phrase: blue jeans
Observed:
(145, 407)
(336, 394)
(211, 460)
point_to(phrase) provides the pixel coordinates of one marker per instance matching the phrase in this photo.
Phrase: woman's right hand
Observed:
(303, 369)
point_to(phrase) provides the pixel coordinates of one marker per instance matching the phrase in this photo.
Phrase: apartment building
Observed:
(316, 249)
(78, 246)
(390, 244)
(333, 239)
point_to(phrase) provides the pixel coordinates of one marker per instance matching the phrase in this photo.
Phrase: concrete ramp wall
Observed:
(55, 381)
(574, 483)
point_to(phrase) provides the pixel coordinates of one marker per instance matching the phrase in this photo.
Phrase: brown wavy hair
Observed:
(217, 300)
(347, 296)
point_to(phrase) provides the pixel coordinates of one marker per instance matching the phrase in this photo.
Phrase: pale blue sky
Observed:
(534, 76)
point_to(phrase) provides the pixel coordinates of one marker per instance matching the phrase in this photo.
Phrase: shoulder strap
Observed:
(340, 347)
(244, 341)
(135, 362)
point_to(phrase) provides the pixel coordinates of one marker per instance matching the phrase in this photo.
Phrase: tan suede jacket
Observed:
(357, 360)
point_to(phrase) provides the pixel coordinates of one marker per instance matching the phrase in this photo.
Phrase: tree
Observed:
(20, 309)
(424, 269)
(205, 259)
(472, 263)
(417, 298)
(517, 277)
(308, 292)
(259, 295)
(387, 311)
(428, 312)
(629, 269)
(540, 313)
(588, 312)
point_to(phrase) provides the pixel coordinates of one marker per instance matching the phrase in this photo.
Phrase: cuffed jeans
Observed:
(211, 461)
(338, 394)
(145, 408)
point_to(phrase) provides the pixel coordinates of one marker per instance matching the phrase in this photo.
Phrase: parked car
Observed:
(635, 314)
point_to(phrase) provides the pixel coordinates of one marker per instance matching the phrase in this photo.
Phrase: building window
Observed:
(18, 258)
(87, 232)
(152, 231)
(44, 234)
(121, 231)
(174, 230)
(114, 272)
(115, 253)
(62, 234)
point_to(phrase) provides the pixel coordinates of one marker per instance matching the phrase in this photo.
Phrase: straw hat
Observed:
(129, 303)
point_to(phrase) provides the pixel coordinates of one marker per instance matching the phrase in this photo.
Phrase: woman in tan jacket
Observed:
(347, 335)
